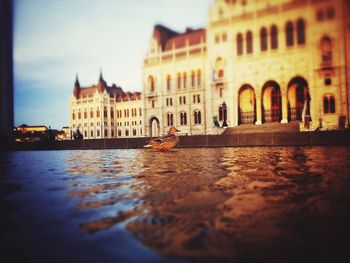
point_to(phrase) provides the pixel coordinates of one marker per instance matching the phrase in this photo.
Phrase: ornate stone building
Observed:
(256, 62)
(102, 111)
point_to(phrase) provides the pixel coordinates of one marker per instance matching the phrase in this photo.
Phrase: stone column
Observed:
(6, 74)
(235, 110)
(284, 97)
(258, 110)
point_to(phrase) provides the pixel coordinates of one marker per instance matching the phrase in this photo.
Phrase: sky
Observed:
(56, 39)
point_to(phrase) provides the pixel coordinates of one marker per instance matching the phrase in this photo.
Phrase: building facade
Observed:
(256, 62)
(102, 111)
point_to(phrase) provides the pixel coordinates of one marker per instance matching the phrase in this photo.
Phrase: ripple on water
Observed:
(228, 204)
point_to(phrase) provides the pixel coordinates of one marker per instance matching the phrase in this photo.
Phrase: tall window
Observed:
(239, 44)
(263, 39)
(193, 79)
(185, 80)
(326, 49)
(328, 104)
(73, 115)
(199, 79)
(105, 112)
(183, 118)
(179, 81)
(98, 113)
(85, 114)
(301, 32)
(274, 37)
(289, 34)
(330, 12)
(197, 117)
(168, 82)
(249, 42)
(219, 68)
(79, 115)
(170, 119)
(319, 15)
(91, 113)
(151, 83)
(112, 113)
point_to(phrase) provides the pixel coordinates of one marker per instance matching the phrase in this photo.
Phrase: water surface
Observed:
(283, 204)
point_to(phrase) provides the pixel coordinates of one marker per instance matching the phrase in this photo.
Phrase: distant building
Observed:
(64, 134)
(256, 62)
(102, 111)
(31, 129)
(30, 133)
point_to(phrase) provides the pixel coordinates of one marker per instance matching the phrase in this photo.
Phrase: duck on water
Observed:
(166, 142)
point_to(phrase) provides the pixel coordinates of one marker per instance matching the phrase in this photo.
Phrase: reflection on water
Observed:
(223, 204)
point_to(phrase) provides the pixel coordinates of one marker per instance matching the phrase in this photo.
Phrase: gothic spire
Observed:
(101, 77)
(77, 80)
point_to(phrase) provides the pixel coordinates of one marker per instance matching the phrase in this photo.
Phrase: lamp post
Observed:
(224, 114)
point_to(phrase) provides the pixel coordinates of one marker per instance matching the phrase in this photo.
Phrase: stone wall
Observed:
(326, 138)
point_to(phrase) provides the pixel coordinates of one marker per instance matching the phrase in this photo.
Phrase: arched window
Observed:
(193, 79)
(328, 104)
(185, 80)
(91, 113)
(197, 117)
(183, 118)
(289, 34)
(199, 79)
(151, 83)
(170, 119)
(274, 37)
(98, 113)
(73, 115)
(249, 39)
(301, 32)
(239, 44)
(263, 39)
(79, 115)
(179, 81)
(168, 82)
(85, 114)
(326, 49)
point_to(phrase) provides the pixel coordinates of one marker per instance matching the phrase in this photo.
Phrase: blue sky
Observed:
(55, 39)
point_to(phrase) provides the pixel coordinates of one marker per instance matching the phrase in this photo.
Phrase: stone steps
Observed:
(273, 127)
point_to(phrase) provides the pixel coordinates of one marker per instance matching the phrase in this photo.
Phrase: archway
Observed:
(271, 102)
(246, 105)
(153, 127)
(298, 99)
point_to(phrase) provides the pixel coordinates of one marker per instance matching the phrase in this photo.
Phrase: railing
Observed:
(295, 114)
(247, 117)
(272, 115)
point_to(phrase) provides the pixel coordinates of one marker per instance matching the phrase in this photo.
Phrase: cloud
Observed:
(54, 40)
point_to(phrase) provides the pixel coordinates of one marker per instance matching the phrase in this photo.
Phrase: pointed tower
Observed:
(76, 87)
(101, 83)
